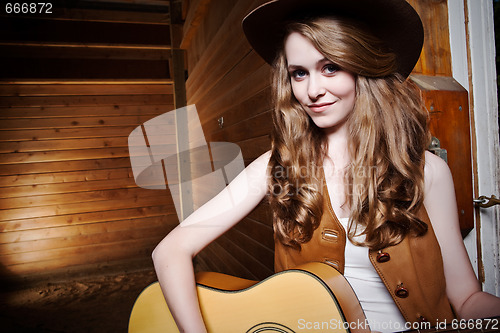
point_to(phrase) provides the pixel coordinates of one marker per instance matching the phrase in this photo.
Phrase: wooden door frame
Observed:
(473, 63)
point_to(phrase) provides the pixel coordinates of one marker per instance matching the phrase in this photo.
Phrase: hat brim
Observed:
(393, 21)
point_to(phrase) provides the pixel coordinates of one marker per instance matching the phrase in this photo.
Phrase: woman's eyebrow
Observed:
(319, 62)
(322, 61)
(294, 67)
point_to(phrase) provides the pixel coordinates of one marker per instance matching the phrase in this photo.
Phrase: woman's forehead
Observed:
(300, 51)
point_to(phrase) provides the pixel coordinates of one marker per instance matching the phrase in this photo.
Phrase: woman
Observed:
(348, 156)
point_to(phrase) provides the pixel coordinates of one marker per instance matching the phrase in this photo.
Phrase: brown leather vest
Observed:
(412, 270)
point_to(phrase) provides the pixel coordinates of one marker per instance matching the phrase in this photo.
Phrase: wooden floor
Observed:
(93, 304)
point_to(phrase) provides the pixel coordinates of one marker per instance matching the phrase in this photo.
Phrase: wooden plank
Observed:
(223, 95)
(86, 238)
(163, 4)
(57, 156)
(177, 63)
(34, 101)
(40, 179)
(447, 102)
(76, 89)
(72, 122)
(85, 81)
(79, 112)
(241, 251)
(76, 219)
(81, 51)
(34, 273)
(84, 111)
(176, 22)
(81, 143)
(103, 15)
(226, 48)
(197, 12)
(45, 68)
(435, 58)
(253, 148)
(69, 144)
(256, 230)
(106, 12)
(35, 29)
(64, 155)
(64, 188)
(64, 166)
(226, 261)
(253, 248)
(223, 19)
(178, 76)
(208, 259)
(65, 133)
(96, 254)
(118, 193)
(87, 207)
(257, 126)
(450, 124)
(37, 236)
(262, 214)
(201, 265)
(218, 42)
(248, 108)
(219, 64)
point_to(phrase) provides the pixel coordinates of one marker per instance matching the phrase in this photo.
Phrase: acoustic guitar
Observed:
(313, 297)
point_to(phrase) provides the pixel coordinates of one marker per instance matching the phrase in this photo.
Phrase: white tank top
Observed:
(382, 313)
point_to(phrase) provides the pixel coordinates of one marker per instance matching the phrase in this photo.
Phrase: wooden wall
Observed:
(228, 80)
(73, 86)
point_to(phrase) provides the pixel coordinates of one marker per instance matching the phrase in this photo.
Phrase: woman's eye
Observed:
(299, 74)
(330, 69)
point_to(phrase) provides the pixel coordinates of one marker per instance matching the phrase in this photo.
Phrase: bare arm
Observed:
(173, 255)
(462, 287)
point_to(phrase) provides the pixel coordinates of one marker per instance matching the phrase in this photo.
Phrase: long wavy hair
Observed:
(388, 135)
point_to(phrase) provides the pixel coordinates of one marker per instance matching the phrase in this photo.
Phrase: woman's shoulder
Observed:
(436, 172)
(439, 197)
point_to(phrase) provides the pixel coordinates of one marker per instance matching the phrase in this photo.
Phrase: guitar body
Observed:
(310, 298)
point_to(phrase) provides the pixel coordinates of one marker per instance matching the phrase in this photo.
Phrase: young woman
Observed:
(348, 157)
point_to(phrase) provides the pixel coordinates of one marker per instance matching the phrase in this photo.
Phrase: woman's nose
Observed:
(315, 88)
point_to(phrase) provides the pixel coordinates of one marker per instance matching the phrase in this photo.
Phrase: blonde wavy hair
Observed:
(388, 136)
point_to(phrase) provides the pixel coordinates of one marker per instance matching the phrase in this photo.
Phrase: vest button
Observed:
(422, 319)
(401, 291)
(383, 257)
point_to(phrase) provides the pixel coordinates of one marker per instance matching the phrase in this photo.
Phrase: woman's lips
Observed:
(320, 107)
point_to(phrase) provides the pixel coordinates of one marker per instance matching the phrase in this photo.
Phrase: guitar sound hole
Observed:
(270, 327)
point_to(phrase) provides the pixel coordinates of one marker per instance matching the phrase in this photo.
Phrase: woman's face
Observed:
(326, 92)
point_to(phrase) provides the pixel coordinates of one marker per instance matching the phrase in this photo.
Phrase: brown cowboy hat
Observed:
(393, 21)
